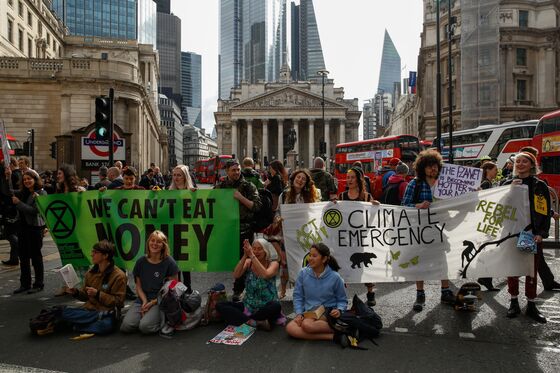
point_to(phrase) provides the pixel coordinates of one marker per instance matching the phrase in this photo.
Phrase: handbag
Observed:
(526, 242)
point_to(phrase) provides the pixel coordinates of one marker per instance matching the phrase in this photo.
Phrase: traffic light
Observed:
(323, 147)
(255, 153)
(26, 148)
(53, 150)
(102, 117)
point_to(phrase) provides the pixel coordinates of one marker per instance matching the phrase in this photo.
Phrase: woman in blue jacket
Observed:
(317, 284)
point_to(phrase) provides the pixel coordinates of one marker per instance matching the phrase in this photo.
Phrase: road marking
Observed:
(401, 330)
(5, 296)
(19, 368)
(467, 335)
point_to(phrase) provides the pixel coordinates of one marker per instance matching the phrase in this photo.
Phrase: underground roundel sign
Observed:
(94, 149)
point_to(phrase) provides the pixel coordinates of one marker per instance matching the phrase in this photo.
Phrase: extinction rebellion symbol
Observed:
(63, 218)
(332, 218)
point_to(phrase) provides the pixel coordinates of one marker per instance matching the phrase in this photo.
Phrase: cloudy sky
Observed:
(351, 34)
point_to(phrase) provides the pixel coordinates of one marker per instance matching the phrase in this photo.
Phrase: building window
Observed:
(29, 18)
(48, 39)
(521, 57)
(40, 28)
(20, 9)
(20, 40)
(11, 31)
(523, 18)
(29, 48)
(521, 90)
(11, 3)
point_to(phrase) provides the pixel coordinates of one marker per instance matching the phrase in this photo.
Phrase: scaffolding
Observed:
(480, 63)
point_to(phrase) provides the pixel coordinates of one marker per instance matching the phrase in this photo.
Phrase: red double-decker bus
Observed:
(215, 170)
(547, 141)
(200, 168)
(374, 154)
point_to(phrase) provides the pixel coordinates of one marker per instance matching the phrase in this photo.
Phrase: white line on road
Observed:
(8, 368)
(467, 335)
(401, 330)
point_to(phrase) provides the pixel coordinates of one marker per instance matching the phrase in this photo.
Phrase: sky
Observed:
(351, 33)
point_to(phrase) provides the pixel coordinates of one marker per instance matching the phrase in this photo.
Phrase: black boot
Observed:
(514, 309)
(487, 283)
(534, 313)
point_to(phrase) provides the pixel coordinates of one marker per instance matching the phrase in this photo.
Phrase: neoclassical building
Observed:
(259, 117)
(504, 67)
(56, 98)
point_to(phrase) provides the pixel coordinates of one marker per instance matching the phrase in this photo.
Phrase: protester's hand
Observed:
(375, 202)
(15, 200)
(423, 205)
(193, 189)
(35, 195)
(516, 182)
(156, 188)
(247, 249)
(91, 292)
(555, 216)
(146, 307)
(266, 182)
(538, 238)
(103, 188)
(335, 313)
(299, 319)
(71, 291)
(237, 195)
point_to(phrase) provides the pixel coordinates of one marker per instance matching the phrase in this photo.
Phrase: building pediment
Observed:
(287, 98)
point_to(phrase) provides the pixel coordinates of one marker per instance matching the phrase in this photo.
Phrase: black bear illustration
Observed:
(358, 258)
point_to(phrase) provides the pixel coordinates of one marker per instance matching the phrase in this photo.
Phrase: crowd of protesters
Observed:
(255, 299)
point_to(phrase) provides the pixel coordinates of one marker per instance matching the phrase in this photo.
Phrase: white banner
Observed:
(471, 236)
(5, 147)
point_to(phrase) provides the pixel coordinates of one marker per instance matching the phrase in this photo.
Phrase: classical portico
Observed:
(260, 125)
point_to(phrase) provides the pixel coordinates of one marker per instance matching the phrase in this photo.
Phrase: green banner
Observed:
(202, 226)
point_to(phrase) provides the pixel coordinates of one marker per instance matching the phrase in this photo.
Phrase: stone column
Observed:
(265, 138)
(296, 128)
(281, 140)
(234, 138)
(342, 132)
(311, 142)
(327, 128)
(250, 139)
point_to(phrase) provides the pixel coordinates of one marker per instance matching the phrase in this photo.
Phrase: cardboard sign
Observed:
(455, 180)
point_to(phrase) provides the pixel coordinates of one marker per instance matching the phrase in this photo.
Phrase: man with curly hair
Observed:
(418, 194)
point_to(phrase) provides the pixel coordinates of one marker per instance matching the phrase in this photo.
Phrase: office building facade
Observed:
(191, 88)
(170, 120)
(307, 53)
(169, 48)
(116, 19)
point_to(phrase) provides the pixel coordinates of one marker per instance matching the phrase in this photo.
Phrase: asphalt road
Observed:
(438, 339)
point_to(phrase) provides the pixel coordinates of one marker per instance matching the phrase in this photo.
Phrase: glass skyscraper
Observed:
(390, 66)
(119, 19)
(191, 88)
(169, 48)
(253, 41)
(307, 54)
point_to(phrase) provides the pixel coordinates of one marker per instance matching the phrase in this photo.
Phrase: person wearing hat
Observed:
(393, 193)
(393, 163)
(524, 173)
(249, 203)
(260, 307)
(103, 291)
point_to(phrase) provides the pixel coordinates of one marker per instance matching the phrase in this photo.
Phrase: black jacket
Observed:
(537, 190)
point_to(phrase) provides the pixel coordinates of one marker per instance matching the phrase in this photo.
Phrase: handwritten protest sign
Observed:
(5, 147)
(455, 180)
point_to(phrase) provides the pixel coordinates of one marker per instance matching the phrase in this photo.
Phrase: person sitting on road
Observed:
(318, 284)
(260, 306)
(150, 273)
(103, 291)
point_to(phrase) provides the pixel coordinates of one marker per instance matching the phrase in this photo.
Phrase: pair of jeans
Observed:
(30, 243)
(87, 321)
(233, 312)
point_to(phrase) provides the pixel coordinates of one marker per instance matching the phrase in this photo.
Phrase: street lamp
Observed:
(451, 21)
(31, 134)
(323, 73)
(438, 81)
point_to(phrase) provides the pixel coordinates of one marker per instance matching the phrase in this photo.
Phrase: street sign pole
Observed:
(111, 129)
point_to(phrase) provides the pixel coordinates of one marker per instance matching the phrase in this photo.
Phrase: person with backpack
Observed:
(393, 163)
(277, 182)
(150, 273)
(318, 284)
(260, 306)
(357, 192)
(418, 194)
(323, 180)
(249, 203)
(393, 193)
(103, 291)
(250, 174)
